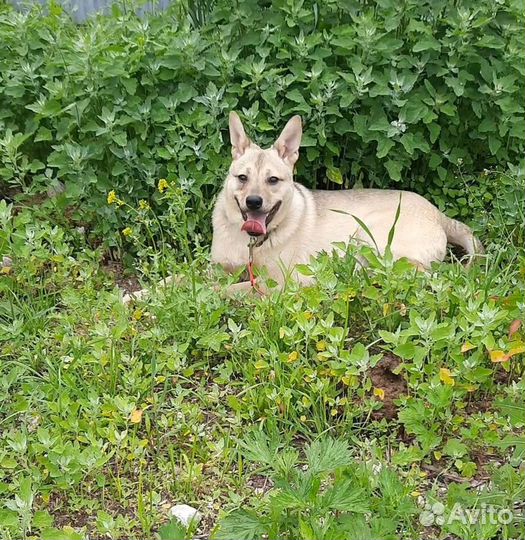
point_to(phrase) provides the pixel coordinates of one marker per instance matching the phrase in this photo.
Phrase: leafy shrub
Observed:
(392, 93)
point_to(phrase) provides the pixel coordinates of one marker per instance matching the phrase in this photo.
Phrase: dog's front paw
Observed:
(243, 288)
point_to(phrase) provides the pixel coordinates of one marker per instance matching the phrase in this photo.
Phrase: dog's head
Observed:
(260, 182)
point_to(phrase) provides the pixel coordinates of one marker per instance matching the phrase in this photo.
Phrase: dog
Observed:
(287, 223)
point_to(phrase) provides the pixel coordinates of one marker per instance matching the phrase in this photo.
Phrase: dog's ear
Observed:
(287, 145)
(238, 138)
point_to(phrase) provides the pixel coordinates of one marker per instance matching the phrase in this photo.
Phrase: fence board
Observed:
(81, 9)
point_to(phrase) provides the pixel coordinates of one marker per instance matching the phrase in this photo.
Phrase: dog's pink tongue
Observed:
(255, 225)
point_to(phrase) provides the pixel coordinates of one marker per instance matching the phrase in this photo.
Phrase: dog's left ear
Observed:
(287, 145)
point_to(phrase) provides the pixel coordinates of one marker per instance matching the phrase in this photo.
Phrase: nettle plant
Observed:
(398, 93)
(324, 495)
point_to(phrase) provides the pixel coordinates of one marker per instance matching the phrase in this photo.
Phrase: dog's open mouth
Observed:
(256, 223)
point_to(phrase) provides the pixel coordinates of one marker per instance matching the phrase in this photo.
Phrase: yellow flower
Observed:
(136, 416)
(445, 375)
(321, 345)
(143, 205)
(163, 185)
(293, 356)
(128, 231)
(112, 197)
(380, 393)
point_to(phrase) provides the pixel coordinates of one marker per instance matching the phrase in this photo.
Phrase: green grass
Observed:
(265, 414)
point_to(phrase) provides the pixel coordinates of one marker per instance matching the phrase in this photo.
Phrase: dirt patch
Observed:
(63, 516)
(501, 376)
(479, 404)
(260, 484)
(394, 386)
(128, 283)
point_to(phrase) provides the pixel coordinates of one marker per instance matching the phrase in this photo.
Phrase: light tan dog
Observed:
(292, 223)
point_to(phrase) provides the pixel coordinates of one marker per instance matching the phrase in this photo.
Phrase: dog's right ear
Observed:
(238, 138)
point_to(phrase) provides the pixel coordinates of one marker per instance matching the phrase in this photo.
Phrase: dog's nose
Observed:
(254, 202)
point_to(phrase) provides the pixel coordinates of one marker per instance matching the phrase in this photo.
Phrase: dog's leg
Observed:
(420, 267)
(243, 288)
(237, 289)
(143, 293)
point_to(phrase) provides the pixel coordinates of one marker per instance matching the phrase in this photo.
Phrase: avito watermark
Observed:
(482, 514)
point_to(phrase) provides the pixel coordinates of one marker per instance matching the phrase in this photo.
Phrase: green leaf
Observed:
(9, 519)
(435, 160)
(455, 448)
(514, 410)
(295, 95)
(43, 134)
(334, 175)
(327, 455)
(118, 168)
(174, 530)
(487, 125)
(394, 169)
(414, 111)
(345, 496)
(407, 140)
(185, 92)
(494, 144)
(434, 130)
(67, 533)
(392, 230)
(305, 529)
(42, 519)
(384, 145)
(234, 403)
(427, 43)
(304, 270)
(406, 351)
(120, 138)
(8, 463)
(261, 448)
(130, 85)
(240, 525)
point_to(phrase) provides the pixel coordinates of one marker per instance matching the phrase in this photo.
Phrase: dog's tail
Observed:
(461, 235)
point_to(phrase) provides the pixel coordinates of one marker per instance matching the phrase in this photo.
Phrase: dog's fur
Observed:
(308, 222)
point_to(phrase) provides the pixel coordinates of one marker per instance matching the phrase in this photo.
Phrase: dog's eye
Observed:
(273, 180)
(242, 178)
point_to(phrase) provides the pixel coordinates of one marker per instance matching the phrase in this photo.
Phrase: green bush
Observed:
(393, 93)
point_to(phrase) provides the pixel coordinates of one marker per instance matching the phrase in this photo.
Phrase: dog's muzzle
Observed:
(256, 222)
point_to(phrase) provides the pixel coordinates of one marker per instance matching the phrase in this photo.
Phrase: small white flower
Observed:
(400, 126)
